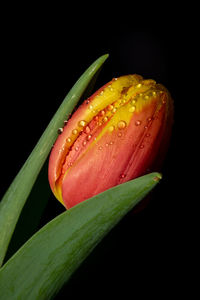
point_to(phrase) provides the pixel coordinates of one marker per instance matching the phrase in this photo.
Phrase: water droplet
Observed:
(87, 101)
(100, 148)
(149, 119)
(84, 143)
(141, 146)
(148, 134)
(114, 110)
(158, 177)
(87, 129)
(146, 97)
(99, 123)
(69, 140)
(60, 130)
(89, 137)
(145, 127)
(133, 101)
(101, 93)
(65, 123)
(138, 85)
(107, 144)
(102, 113)
(110, 87)
(132, 108)
(82, 123)
(138, 122)
(121, 124)
(111, 143)
(91, 107)
(154, 93)
(122, 176)
(75, 131)
(76, 148)
(119, 134)
(111, 128)
(105, 119)
(96, 118)
(110, 107)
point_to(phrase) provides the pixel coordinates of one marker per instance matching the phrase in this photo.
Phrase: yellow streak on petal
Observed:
(58, 193)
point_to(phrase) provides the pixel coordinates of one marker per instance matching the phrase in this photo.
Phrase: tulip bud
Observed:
(116, 135)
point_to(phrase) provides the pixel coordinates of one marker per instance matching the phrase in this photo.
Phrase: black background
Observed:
(44, 53)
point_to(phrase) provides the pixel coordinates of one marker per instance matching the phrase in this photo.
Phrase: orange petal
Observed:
(113, 137)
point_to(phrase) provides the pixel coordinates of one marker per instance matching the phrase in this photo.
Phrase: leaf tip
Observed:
(157, 177)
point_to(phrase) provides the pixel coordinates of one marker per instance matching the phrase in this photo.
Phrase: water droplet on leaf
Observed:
(60, 130)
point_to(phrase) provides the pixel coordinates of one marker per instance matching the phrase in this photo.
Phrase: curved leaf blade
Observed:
(15, 197)
(40, 268)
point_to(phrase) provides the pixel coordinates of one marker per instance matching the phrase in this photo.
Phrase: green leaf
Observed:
(14, 199)
(32, 212)
(40, 268)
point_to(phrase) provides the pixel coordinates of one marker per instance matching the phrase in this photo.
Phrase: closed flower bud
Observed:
(119, 133)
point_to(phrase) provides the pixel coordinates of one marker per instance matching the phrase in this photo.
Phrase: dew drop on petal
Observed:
(105, 119)
(132, 108)
(122, 176)
(102, 113)
(110, 107)
(76, 148)
(69, 140)
(89, 137)
(82, 123)
(141, 146)
(84, 143)
(121, 124)
(114, 110)
(87, 129)
(138, 122)
(111, 128)
(133, 101)
(148, 134)
(75, 131)
(119, 134)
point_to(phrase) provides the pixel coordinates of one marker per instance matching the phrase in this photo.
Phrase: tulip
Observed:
(119, 133)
